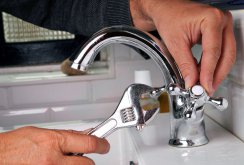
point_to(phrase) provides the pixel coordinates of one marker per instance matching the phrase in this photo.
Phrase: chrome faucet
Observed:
(186, 105)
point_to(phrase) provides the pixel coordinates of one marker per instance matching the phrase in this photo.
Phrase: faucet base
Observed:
(188, 143)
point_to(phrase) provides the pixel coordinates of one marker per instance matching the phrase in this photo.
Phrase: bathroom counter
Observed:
(152, 146)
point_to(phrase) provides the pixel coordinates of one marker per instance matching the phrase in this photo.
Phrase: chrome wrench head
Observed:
(142, 103)
(137, 107)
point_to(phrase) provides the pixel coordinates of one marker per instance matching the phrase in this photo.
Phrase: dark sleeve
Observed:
(76, 16)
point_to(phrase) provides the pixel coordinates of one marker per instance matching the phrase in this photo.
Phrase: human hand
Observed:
(183, 23)
(31, 145)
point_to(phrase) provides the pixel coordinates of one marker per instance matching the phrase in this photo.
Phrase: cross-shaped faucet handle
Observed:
(195, 99)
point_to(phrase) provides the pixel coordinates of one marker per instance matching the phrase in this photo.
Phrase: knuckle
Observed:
(92, 144)
(210, 72)
(217, 15)
(185, 67)
(229, 16)
(48, 135)
(27, 128)
(57, 138)
(214, 18)
(214, 51)
(50, 139)
(188, 69)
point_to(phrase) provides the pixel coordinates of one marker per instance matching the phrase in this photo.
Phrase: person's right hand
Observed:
(183, 23)
(31, 145)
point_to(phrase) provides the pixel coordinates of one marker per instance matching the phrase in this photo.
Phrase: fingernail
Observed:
(108, 148)
(187, 82)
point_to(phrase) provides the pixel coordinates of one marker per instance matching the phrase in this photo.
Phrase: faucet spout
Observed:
(185, 117)
(82, 59)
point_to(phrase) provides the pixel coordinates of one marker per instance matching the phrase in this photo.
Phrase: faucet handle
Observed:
(220, 103)
(197, 91)
(196, 97)
(175, 89)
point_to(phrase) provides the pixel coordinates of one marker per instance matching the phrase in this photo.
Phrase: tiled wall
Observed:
(4, 99)
(63, 101)
(233, 86)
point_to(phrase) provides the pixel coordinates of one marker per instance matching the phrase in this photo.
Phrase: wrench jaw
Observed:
(142, 103)
(137, 108)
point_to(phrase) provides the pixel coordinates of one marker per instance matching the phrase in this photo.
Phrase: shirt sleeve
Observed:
(76, 16)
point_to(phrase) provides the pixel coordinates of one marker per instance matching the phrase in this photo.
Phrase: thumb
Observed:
(82, 143)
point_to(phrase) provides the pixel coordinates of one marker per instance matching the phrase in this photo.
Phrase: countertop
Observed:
(152, 146)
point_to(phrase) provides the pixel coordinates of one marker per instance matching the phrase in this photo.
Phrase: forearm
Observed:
(77, 16)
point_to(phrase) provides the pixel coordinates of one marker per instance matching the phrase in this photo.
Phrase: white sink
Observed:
(150, 146)
(121, 152)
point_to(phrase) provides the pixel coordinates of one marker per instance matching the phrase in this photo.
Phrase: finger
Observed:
(187, 64)
(81, 143)
(185, 60)
(86, 131)
(155, 39)
(77, 160)
(211, 45)
(68, 130)
(228, 53)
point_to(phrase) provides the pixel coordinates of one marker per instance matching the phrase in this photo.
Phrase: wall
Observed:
(52, 101)
(233, 86)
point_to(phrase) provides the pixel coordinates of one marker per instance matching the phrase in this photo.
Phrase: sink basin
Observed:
(121, 152)
(150, 146)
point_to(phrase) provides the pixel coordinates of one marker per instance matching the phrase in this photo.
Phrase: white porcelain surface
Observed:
(121, 148)
(50, 93)
(232, 117)
(225, 118)
(27, 116)
(3, 98)
(237, 110)
(237, 73)
(10, 118)
(152, 146)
